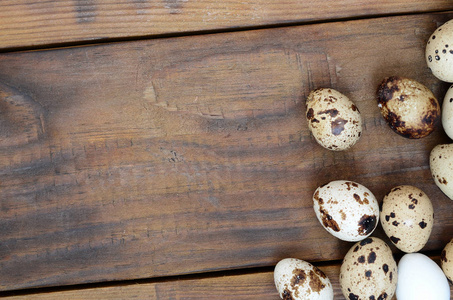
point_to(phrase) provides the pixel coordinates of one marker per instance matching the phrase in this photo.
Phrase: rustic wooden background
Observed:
(159, 150)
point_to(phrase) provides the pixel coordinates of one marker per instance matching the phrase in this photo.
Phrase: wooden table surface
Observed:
(159, 149)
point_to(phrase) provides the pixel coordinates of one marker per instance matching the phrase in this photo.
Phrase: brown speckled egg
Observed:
(446, 260)
(369, 271)
(333, 119)
(441, 165)
(297, 279)
(408, 107)
(439, 52)
(447, 112)
(407, 217)
(346, 209)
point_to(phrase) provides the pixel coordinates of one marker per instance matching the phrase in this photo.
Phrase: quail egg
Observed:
(439, 52)
(407, 217)
(297, 279)
(369, 271)
(333, 119)
(346, 209)
(446, 260)
(408, 107)
(441, 165)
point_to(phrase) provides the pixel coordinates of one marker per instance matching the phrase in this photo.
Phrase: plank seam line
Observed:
(102, 41)
(172, 278)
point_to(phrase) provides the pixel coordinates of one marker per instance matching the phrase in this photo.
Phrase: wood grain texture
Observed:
(186, 155)
(247, 286)
(27, 23)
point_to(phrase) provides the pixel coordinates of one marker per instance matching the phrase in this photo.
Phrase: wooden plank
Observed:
(27, 23)
(246, 286)
(192, 154)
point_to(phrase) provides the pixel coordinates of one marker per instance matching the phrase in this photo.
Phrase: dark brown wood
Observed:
(186, 155)
(247, 286)
(27, 23)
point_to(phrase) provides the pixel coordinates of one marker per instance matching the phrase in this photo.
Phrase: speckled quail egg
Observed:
(407, 217)
(420, 278)
(297, 279)
(439, 52)
(333, 119)
(446, 260)
(369, 271)
(346, 209)
(408, 107)
(441, 165)
(447, 112)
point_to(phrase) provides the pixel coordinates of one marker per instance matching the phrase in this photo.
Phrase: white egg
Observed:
(297, 279)
(439, 52)
(447, 113)
(346, 209)
(420, 278)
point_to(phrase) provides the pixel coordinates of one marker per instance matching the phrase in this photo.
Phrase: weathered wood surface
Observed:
(25, 23)
(247, 286)
(186, 155)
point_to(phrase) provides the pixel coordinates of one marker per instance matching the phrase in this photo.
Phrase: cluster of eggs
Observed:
(350, 211)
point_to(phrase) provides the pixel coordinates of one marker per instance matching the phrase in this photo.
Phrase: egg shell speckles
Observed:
(420, 278)
(446, 260)
(439, 52)
(297, 279)
(441, 165)
(407, 217)
(369, 271)
(346, 209)
(447, 112)
(408, 107)
(333, 119)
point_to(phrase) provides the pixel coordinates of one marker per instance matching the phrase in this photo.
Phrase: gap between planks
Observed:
(330, 267)
(206, 275)
(155, 280)
(101, 41)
